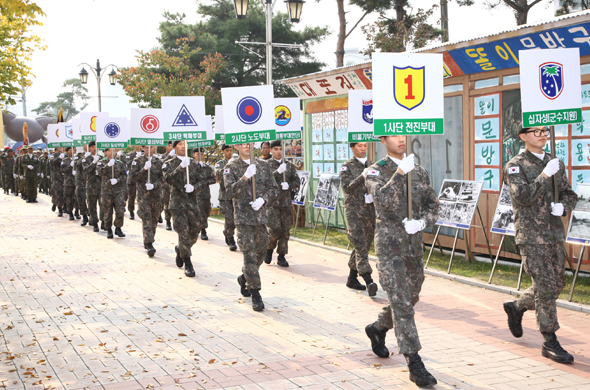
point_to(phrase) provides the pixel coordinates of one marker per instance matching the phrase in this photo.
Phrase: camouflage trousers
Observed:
(8, 182)
(279, 228)
(69, 196)
(253, 241)
(110, 202)
(92, 200)
(81, 200)
(31, 187)
(57, 193)
(166, 201)
(187, 223)
(401, 278)
(132, 195)
(149, 209)
(226, 207)
(361, 232)
(205, 211)
(546, 266)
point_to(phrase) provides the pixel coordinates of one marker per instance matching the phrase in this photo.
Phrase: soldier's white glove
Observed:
(95, 159)
(86, 154)
(557, 209)
(172, 153)
(149, 186)
(38, 174)
(42, 176)
(251, 171)
(368, 198)
(111, 162)
(413, 226)
(62, 155)
(30, 167)
(185, 162)
(22, 177)
(285, 186)
(14, 175)
(282, 168)
(119, 153)
(407, 164)
(113, 181)
(189, 188)
(74, 173)
(148, 165)
(72, 164)
(552, 167)
(257, 204)
(365, 171)
(200, 162)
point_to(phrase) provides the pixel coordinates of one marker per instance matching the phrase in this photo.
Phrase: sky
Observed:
(77, 31)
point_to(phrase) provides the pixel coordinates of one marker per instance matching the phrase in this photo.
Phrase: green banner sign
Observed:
(186, 136)
(111, 145)
(147, 142)
(244, 138)
(88, 138)
(385, 127)
(551, 118)
(362, 137)
(219, 137)
(200, 144)
(288, 135)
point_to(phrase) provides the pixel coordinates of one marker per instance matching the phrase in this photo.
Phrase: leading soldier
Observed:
(93, 185)
(131, 187)
(7, 171)
(30, 166)
(113, 174)
(539, 235)
(226, 206)
(399, 246)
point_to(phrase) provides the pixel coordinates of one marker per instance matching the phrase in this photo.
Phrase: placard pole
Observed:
(253, 161)
(433, 245)
(283, 157)
(453, 251)
(495, 261)
(149, 169)
(327, 224)
(113, 154)
(483, 227)
(553, 154)
(409, 178)
(577, 271)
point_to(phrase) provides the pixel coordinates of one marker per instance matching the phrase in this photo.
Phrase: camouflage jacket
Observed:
(291, 177)
(31, 160)
(79, 168)
(219, 168)
(240, 191)
(390, 196)
(139, 176)
(106, 174)
(353, 186)
(531, 194)
(90, 171)
(128, 160)
(8, 165)
(175, 176)
(67, 171)
(208, 176)
(56, 167)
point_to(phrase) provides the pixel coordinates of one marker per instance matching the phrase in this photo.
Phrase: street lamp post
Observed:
(97, 73)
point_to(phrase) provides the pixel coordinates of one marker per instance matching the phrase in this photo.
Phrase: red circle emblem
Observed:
(149, 124)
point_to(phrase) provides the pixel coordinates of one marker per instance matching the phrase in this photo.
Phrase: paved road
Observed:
(79, 311)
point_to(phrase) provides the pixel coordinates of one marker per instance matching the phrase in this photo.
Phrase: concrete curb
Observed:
(456, 278)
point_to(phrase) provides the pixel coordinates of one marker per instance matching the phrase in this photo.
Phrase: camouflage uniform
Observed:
(130, 186)
(360, 216)
(252, 234)
(30, 175)
(112, 196)
(204, 194)
(226, 206)
(93, 187)
(57, 181)
(149, 202)
(279, 211)
(539, 234)
(184, 206)
(18, 172)
(7, 173)
(166, 191)
(80, 184)
(69, 184)
(400, 264)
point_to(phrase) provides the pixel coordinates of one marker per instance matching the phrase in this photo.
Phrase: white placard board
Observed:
(53, 135)
(68, 132)
(146, 127)
(360, 116)
(288, 118)
(77, 132)
(219, 128)
(112, 132)
(209, 137)
(183, 118)
(88, 125)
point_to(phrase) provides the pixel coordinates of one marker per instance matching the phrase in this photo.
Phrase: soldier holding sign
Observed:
(204, 193)
(113, 173)
(540, 236)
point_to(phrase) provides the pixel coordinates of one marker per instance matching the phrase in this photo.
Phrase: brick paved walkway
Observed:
(80, 311)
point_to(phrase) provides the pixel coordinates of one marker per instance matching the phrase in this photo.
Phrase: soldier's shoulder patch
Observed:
(382, 163)
(99, 163)
(84, 160)
(226, 171)
(75, 157)
(164, 166)
(373, 172)
(343, 169)
(134, 163)
(512, 170)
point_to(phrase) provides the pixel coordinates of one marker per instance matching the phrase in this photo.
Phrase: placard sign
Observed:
(504, 215)
(53, 135)
(112, 132)
(326, 197)
(219, 132)
(88, 125)
(146, 127)
(550, 87)
(288, 118)
(579, 228)
(77, 132)
(67, 129)
(360, 117)
(209, 138)
(408, 96)
(458, 201)
(183, 118)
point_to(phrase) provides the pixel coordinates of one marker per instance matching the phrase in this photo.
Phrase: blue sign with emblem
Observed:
(184, 118)
(368, 111)
(112, 130)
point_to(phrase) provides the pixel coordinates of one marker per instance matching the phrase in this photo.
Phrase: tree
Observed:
(519, 7)
(17, 44)
(569, 6)
(220, 29)
(66, 101)
(159, 74)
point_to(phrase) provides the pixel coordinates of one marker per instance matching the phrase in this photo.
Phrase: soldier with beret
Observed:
(30, 166)
(226, 206)
(7, 171)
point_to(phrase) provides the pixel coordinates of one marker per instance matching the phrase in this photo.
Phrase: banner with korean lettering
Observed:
(145, 127)
(66, 134)
(550, 87)
(53, 135)
(219, 132)
(112, 133)
(408, 94)
(183, 118)
(248, 114)
(288, 118)
(360, 117)
(209, 138)
(77, 132)
(88, 125)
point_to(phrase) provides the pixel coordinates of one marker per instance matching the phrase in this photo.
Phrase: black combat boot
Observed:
(109, 233)
(131, 215)
(268, 257)
(77, 214)
(179, 261)
(102, 225)
(371, 286)
(151, 251)
(204, 235)
(418, 373)
(72, 216)
(554, 351)
(282, 262)
(377, 338)
(84, 221)
(226, 241)
(60, 212)
(168, 225)
(160, 220)
(242, 283)
(119, 232)
(189, 271)
(232, 244)
(53, 207)
(95, 228)
(514, 318)
(353, 282)
(257, 304)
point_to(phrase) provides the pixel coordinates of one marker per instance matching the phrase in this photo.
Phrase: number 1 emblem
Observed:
(409, 86)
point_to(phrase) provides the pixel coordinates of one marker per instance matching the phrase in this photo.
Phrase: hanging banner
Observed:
(209, 141)
(112, 133)
(53, 135)
(360, 117)
(550, 87)
(408, 96)
(248, 114)
(183, 118)
(288, 118)
(77, 134)
(219, 129)
(88, 125)
(146, 127)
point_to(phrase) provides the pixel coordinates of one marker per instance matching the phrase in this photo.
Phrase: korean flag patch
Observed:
(343, 169)
(373, 172)
(226, 171)
(512, 170)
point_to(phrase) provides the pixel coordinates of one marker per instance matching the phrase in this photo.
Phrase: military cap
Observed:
(275, 143)
(197, 150)
(30, 147)
(224, 146)
(176, 143)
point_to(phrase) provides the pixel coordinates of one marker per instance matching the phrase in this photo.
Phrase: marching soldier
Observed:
(7, 170)
(226, 206)
(399, 246)
(149, 207)
(69, 184)
(279, 211)
(250, 216)
(90, 165)
(170, 153)
(19, 173)
(540, 236)
(360, 217)
(131, 187)
(113, 174)
(57, 182)
(29, 168)
(204, 193)
(81, 186)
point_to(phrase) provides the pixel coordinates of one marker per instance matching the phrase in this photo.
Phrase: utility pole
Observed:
(444, 19)
(24, 99)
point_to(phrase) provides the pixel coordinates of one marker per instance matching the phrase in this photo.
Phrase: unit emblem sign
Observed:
(551, 79)
(409, 86)
(282, 115)
(70, 131)
(150, 124)
(184, 118)
(112, 130)
(249, 110)
(93, 124)
(368, 111)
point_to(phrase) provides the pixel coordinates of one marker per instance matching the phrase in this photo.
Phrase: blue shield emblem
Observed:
(551, 79)
(70, 132)
(368, 111)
